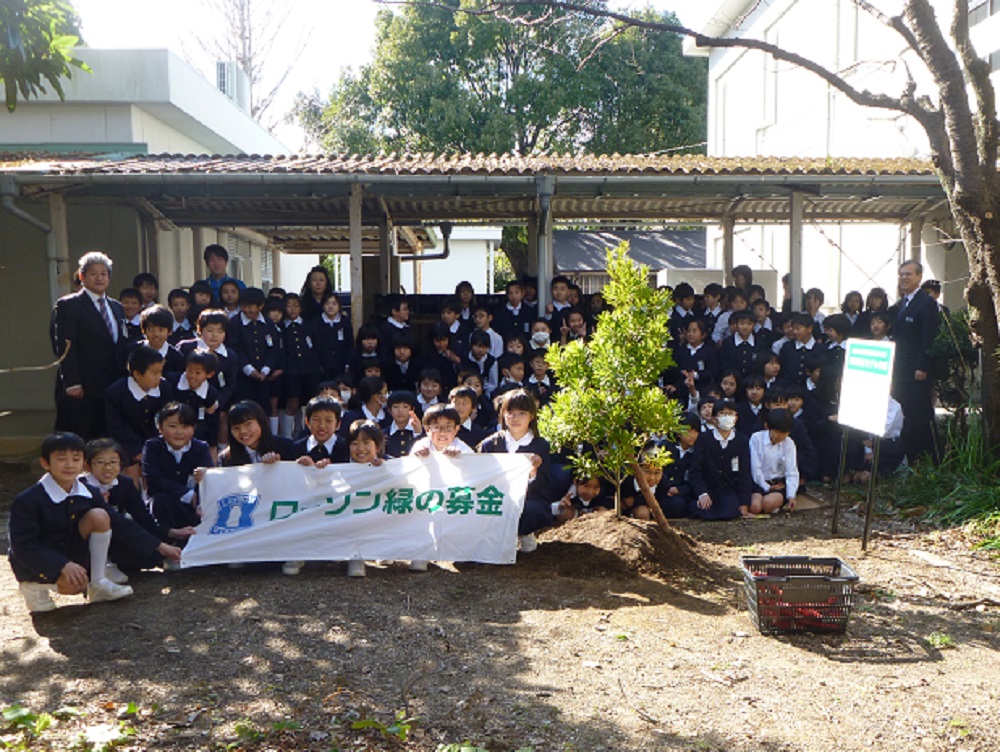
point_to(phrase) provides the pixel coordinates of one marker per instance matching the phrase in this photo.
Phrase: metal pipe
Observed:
(8, 192)
(445, 235)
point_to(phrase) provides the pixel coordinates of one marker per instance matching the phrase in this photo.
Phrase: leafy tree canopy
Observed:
(610, 397)
(37, 38)
(442, 80)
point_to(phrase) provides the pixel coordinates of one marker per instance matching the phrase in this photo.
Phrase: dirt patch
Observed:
(551, 653)
(601, 544)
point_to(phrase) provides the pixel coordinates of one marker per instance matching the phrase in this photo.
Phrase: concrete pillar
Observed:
(546, 254)
(916, 246)
(386, 250)
(58, 240)
(795, 249)
(357, 284)
(728, 251)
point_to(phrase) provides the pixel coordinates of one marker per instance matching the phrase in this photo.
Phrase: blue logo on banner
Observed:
(238, 506)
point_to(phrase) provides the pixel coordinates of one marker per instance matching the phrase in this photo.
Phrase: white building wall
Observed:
(762, 107)
(469, 260)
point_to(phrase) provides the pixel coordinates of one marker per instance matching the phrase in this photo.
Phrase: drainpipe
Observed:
(8, 192)
(445, 234)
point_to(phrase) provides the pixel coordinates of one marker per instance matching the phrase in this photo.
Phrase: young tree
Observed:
(958, 114)
(37, 47)
(610, 398)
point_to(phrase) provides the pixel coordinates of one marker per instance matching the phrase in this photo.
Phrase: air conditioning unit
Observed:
(232, 81)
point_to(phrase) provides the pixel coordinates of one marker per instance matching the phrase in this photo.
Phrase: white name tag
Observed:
(736, 464)
(340, 335)
(309, 342)
(270, 342)
(222, 380)
(201, 413)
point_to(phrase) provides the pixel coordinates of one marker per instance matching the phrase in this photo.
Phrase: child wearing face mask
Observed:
(368, 403)
(541, 335)
(720, 470)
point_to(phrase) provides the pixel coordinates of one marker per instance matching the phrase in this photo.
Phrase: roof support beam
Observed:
(795, 249)
(357, 299)
(546, 253)
(728, 252)
(59, 245)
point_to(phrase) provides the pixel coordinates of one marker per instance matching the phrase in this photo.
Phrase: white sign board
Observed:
(436, 508)
(867, 384)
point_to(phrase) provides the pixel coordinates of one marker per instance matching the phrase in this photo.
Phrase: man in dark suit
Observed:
(915, 325)
(89, 323)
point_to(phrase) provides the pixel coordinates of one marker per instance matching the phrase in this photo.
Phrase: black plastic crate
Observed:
(798, 593)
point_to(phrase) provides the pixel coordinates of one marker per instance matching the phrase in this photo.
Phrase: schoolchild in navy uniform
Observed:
(769, 367)
(441, 356)
(131, 405)
(179, 303)
(676, 475)
(513, 317)
(253, 440)
(368, 403)
(512, 368)
(404, 427)
(720, 470)
(556, 311)
(103, 465)
(401, 370)
(148, 287)
(334, 338)
(765, 328)
(479, 358)
(229, 297)
(519, 434)
(201, 300)
(173, 464)
(634, 503)
(131, 332)
(683, 312)
(61, 531)
(367, 350)
(880, 326)
(711, 305)
(740, 351)
(695, 355)
(751, 409)
(465, 297)
(430, 390)
(451, 316)
(212, 326)
(322, 445)
(805, 452)
(194, 388)
(274, 309)
(836, 328)
(301, 367)
(541, 381)
(257, 344)
(737, 302)
(877, 300)
(157, 323)
(486, 414)
(851, 308)
(466, 401)
(395, 323)
(793, 354)
(586, 495)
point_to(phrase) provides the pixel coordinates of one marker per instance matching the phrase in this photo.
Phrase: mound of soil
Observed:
(601, 544)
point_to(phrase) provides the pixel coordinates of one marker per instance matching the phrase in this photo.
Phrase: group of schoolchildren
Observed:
(248, 377)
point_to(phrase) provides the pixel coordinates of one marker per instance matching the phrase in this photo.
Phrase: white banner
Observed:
(437, 508)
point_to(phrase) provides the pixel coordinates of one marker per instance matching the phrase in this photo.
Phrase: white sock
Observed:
(287, 425)
(273, 423)
(99, 544)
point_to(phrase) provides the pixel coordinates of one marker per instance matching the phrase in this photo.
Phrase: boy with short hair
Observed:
(430, 386)
(555, 311)
(131, 302)
(741, 351)
(793, 354)
(395, 323)
(481, 320)
(157, 323)
(540, 382)
(194, 387)
(465, 400)
(806, 458)
(511, 368)
(60, 526)
(711, 301)
(773, 466)
(212, 327)
(404, 427)
(479, 358)
(258, 349)
(676, 480)
(441, 422)
(574, 327)
(442, 356)
(836, 328)
(179, 303)
(322, 446)
(513, 317)
(401, 370)
(720, 470)
(131, 405)
(172, 465)
(682, 313)
(737, 302)
(880, 326)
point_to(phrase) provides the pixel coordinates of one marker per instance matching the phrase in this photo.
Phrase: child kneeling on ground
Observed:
(773, 465)
(60, 526)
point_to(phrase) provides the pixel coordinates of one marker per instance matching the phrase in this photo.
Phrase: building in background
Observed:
(760, 107)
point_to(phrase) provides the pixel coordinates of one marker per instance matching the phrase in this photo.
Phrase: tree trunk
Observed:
(651, 502)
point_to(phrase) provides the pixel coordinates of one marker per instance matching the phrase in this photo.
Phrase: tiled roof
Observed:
(460, 164)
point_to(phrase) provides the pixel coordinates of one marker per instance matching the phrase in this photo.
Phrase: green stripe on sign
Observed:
(869, 360)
